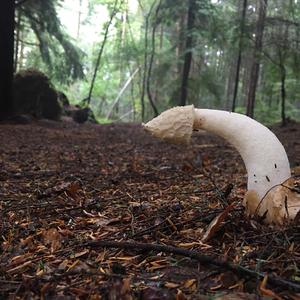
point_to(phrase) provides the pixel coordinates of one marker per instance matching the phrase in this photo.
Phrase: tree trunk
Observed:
(188, 53)
(123, 89)
(239, 58)
(7, 24)
(114, 11)
(161, 36)
(148, 82)
(21, 51)
(17, 41)
(283, 93)
(144, 79)
(145, 68)
(256, 60)
(121, 44)
(133, 107)
(229, 82)
(79, 19)
(180, 31)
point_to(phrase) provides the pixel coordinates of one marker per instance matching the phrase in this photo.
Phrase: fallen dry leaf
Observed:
(267, 292)
(53, 238)
(216, 224)
(171, 285)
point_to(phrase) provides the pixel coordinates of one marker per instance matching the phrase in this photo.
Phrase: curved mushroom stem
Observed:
(264, 156)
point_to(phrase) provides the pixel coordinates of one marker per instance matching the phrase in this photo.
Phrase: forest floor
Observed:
(83, 208)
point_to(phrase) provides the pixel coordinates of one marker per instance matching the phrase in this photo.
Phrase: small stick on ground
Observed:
(237, 269)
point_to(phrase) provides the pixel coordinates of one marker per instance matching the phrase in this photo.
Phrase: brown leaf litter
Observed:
(107, 212)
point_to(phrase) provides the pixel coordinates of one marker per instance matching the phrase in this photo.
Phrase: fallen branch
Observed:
(108, 115)
(237, 269)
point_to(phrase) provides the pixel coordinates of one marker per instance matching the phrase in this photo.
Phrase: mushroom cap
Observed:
(174, 125)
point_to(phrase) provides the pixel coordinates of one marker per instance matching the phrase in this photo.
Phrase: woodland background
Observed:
(131, 59)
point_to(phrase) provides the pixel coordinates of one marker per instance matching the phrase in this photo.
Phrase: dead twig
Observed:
(237, 269)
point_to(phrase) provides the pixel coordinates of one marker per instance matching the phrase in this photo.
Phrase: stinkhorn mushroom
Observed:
(270, 190)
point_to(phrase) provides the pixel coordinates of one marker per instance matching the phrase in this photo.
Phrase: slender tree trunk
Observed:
(157, 79)
(144, 79)
(79, 19)
(109, 114)
(7, 24)
(283, 94)
(21, 51)
(188, 53)
(239, 58)
(151, 100)
(161, 36)
(256, 57)
(245, 75)
(17, 41)
(180, 31)
(88, 99)
(124, 23)
(121, 42)
(145, 68)
(230, 73)
(133, 102)
(282, 54)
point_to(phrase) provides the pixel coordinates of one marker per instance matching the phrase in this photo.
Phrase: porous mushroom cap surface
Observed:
(174, 125)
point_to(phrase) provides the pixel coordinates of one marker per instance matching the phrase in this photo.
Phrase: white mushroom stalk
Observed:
(270, 192)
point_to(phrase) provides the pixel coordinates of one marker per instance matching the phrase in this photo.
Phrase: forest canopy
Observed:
(130, 59)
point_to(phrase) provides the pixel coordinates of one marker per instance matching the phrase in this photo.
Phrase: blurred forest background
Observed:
(128, 60)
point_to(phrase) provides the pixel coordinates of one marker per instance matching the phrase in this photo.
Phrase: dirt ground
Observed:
(84, 206)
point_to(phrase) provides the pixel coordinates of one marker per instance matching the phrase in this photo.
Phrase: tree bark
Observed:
(114, 11)
(239, 58)
(148, 81)
(282, 56)
(17, 41)
(120, 42)
(283, 93)
(180, 31)
(256, 60)
(188, 53)
(7, 24)
(145, 68)
(79, 19)
(144, 79)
